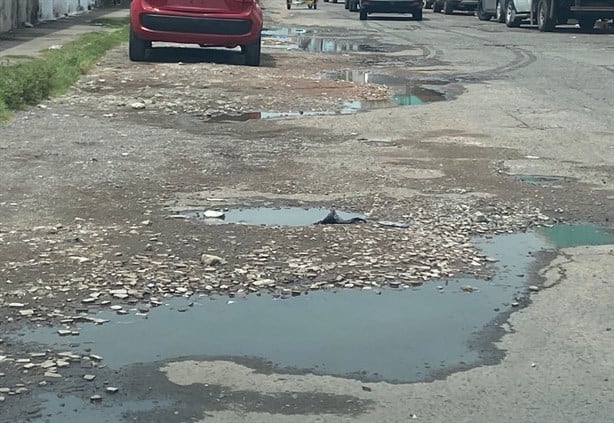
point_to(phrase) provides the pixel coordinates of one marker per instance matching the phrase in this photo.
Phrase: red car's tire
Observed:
(137, 47)
(251, 53)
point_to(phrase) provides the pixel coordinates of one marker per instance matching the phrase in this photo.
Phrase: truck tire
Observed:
(500, 15)
(586, 24)
(417, 14)
(483, 16)
(448, 7)
(544, 22)
(136, 47)
(510, 15)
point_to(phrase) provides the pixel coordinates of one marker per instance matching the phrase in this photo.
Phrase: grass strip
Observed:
(55, 71)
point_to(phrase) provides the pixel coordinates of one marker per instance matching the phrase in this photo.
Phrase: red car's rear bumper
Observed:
(212, 29)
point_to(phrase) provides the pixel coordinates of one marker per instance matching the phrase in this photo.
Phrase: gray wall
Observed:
(14, 13)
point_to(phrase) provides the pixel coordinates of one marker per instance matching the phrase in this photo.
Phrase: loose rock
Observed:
(211, 260)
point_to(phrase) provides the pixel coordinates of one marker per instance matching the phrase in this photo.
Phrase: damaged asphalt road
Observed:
(104, 188)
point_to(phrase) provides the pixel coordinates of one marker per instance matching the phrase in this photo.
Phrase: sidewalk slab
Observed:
(31, 42)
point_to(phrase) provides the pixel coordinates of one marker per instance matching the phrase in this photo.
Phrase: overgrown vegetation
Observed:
(32, 81)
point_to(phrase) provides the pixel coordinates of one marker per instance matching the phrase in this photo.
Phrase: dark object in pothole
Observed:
(332, 218)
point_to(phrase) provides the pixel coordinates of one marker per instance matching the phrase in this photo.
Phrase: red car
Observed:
(211, 23)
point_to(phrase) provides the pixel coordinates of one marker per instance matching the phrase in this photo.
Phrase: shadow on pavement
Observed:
(174, 54)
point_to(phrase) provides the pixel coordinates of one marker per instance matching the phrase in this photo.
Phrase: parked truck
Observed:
(546, 14)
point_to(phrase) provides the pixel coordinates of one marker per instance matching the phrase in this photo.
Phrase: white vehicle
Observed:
(546, 14)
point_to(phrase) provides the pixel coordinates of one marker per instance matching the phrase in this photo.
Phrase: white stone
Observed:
(214, 214)
(264, 282)
(211, 260)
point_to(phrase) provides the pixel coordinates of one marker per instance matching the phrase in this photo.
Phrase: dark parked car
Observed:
(487, 9)
(449, 6)
(209, 23)
(365, 7)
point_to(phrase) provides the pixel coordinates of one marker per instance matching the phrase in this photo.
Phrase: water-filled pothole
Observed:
(388, 334)
(574, 235)
(405, 92)
(283, 32)
(316, 44)
(545, 180)
(270, 216)
(348, 107)
(59, 408)
(297, 38)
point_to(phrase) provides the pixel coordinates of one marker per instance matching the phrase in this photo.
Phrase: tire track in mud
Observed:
(522, 57)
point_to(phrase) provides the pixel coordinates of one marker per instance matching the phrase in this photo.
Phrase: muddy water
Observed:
(72, 409)
(392, 334)
(297, 38)
(563, 236)
(346, 108)
(406, 92)
(399, 335)
(545, 180)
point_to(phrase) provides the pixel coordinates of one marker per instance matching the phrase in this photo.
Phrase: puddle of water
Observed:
(296, 38)
(563, 236)
(282, 37)
(72, 409)
(406, 93)
(283, 32)
(544, 180)
(398, 335)
(283, 216)
(347, 108)
(335, 45)
(381, 143)
(362, 77)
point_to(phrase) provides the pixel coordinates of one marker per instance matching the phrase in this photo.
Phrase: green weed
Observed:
(32, 81)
